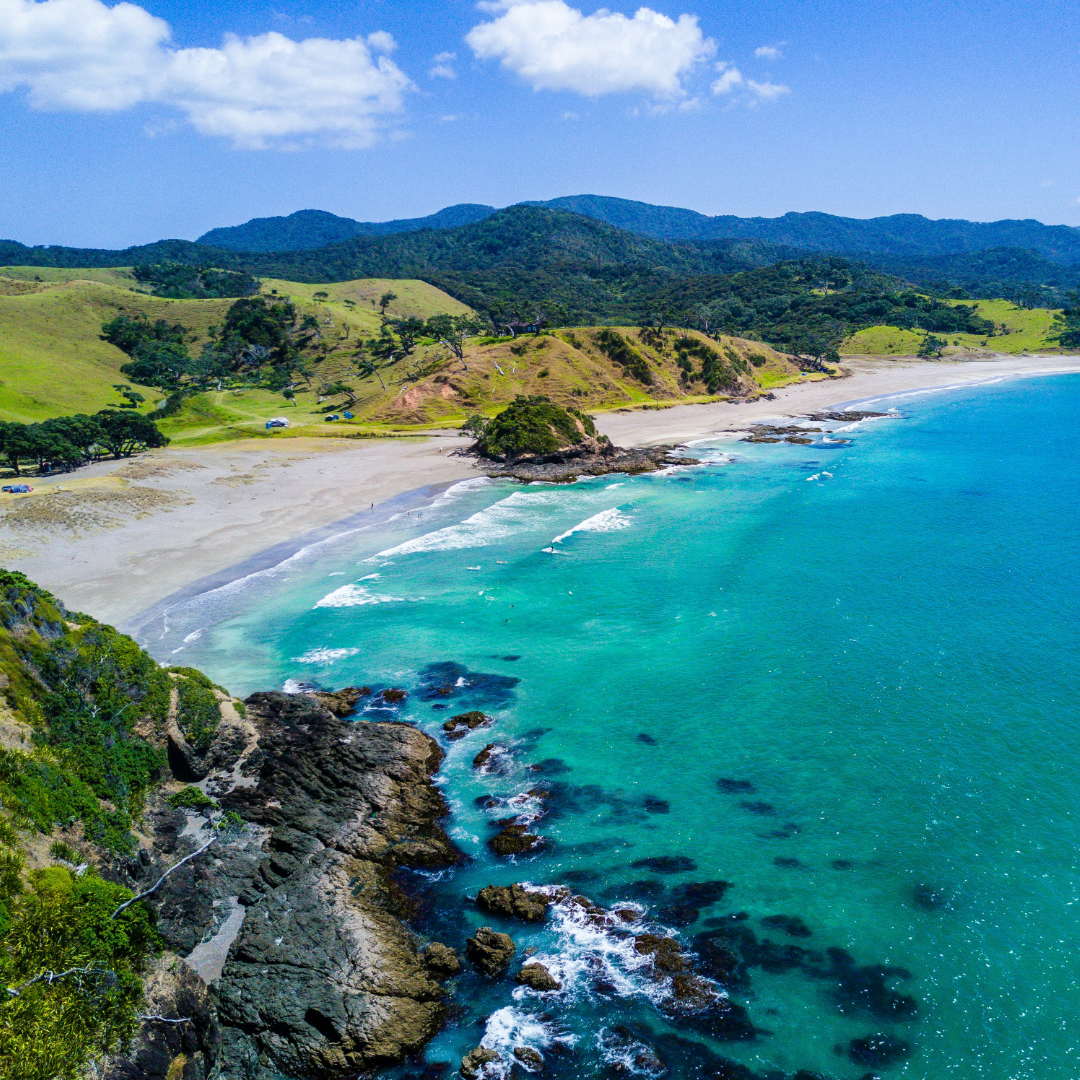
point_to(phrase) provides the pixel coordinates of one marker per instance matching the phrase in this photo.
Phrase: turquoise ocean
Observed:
(840, 677)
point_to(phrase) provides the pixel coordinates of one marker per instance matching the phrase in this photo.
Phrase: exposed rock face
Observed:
(537, 977)
(441, 960)
(490, 951)
(514, 839)
(172, 990)
(573, 462)
(514, 902)
(457, 727)
(323, 978)
(298, 920)
(342, 702)
(474, 1062)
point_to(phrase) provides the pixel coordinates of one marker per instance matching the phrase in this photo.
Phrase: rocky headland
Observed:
(296, 921)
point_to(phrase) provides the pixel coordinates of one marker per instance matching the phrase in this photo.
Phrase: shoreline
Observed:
(127, 539)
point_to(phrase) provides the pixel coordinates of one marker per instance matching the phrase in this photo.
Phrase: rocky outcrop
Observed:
(515, 839)
(182, 1040)
(474, 1063)
(341, 702)
(324, 978)
(537, 977)
(297, 921)
(490, 951)
(514, 902)
(457, 727)
(569, 464)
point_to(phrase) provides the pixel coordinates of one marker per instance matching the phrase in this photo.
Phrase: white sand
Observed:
(115, 545)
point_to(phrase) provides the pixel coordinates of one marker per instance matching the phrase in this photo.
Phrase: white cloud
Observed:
(442, 68)
(259, 91)
(766, 90)
(553, 46)
(731, 78)
(769, 52)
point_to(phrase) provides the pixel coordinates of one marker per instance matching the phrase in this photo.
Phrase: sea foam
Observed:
(355, 596)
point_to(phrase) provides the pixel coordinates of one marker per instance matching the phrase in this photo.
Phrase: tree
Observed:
(407, 331)
(158, 363)
(453, 330)
(365, 367)
(134, 398)
(931, 346)
(124, 433)
(385, 301)
(16, 444)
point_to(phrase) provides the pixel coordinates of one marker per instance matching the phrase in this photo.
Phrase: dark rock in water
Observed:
(645, 738)
(490, 951)
(679, 915)
(654, 805)
(791, 925)
(342, 702)
(487, 802)
(581, 877)
(666, 864)
(638, 890)
(842, 864)
(932, 898)
(514, 902)
(666, 952)
(698, 1060)
(457, 727)
(784, 832)
(537, 977)
(393, 695)
(574, 461)
(440, 707)
(735, 787)
(476, 688)
(494, 754)
(763, 809)
(631, 1055)
(878, 1050)
(441, 960)
(551, 766)
(702, 893)
(720, 961)
(512, 657)
(866, 990)
(322, 977)
(515, 840)
(473, 1064)
(785, 862)
(530, 1058)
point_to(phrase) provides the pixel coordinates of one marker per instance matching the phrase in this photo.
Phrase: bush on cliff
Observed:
(533, 425)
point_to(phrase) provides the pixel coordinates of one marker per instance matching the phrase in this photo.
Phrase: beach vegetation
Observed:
(533, 425)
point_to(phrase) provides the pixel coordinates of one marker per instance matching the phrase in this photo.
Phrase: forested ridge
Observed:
(531, 263)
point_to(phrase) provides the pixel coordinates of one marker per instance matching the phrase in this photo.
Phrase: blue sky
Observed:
(123, 124)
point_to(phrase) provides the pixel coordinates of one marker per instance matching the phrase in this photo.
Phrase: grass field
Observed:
(1021, 331)
(53, 361)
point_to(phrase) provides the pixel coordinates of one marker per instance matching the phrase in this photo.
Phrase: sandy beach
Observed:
(118, 537)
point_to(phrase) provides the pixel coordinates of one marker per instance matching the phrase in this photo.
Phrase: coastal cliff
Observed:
(323, 977)
(247, 927)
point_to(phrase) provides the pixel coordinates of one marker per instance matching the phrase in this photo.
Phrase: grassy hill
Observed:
(55, 363)
(1020, 330)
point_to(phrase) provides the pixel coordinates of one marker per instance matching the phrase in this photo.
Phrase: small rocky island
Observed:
(535, 439)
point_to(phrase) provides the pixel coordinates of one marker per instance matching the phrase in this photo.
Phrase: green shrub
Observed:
(191, 798)
(198, 713)
(533, 425)
(614, 345)
(62, 852)
(51, 1030)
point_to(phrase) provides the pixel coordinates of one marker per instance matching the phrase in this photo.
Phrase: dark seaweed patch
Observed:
(678, 915)
(666, 864)
(646, 738)
(791, 925)
(471, 689)
(654, 805)
(637, 890)
(785, 832)
(842, 864)
(785, 862)
(762, 809)
(551, 766)
(733, 786)
(933, 898)
(581, 877)
(878, 1050)
(702, 893)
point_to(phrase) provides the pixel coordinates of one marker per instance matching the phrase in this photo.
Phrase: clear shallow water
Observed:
(888, 654)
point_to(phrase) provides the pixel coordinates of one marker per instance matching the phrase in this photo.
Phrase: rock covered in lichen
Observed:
(490, 951)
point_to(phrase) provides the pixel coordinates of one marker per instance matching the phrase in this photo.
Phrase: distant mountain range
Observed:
(904, 236)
